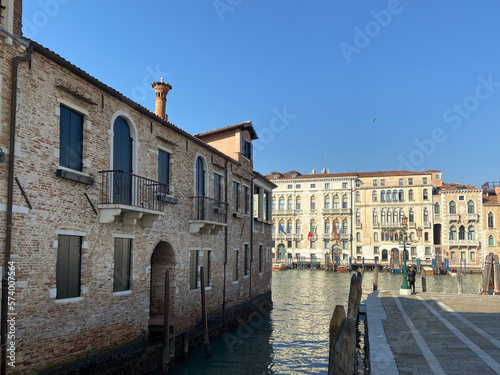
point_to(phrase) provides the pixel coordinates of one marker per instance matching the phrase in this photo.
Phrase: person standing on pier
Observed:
(411, 278)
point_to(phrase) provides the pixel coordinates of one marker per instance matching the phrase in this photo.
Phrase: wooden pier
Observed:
(430, 333)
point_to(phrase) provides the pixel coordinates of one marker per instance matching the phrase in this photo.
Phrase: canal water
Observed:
(293, 338)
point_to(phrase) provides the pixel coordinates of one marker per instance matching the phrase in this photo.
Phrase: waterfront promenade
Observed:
(433, 333)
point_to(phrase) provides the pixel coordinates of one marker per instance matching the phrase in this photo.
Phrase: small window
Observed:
(491, 241)
(289, 244)
(426, 195)
(400, 181)
(327, 186)
(358, 250)
(275, 176)
(236, 196)
(68, 266)
(344, 244)
(452, 255)
(410, 181)
(246, 148)
(490, 220)
(123, 251)
(358, 183)
(297, 186)
(424, 180)
(70, 139)
(293, 175)
(413, 251)
(313, 244)
(382, 182)
(472, 256)
(327, 245)
(461, 198)
(427, 251)
(358, 196)
(376, 250)
(375, 182)
(246, 196)
(290, 186)
(436, 176)
(217, 187)
(313, 186)
(164, 171)
(236, 255)
(344, 185)
(297, 244)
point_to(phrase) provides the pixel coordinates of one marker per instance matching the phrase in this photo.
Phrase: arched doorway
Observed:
(385, 256)
(281, 252)
(163, 258)
(395, 256)
(122, 161)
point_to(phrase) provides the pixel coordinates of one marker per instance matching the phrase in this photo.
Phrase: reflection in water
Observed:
(293, 338)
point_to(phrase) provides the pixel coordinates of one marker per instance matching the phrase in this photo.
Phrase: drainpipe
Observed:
(251, 234)
(10, 200)
(225, 241)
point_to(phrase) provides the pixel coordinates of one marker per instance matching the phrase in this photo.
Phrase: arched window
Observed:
(358, 196)
(453, 233)
(426, 194)
(336, 227)
(491, 240)
(274, 203)
(437, 209)
(297, 203)
(313, 202)
(327, 202)
(344, 201)
(401, 196)
(358, 236)
(395, 196)
(200, 188)
(327, 226)
(297, 227)
(344, 227)
(490, 220)
(375, 236)
(382, 216)
(453, 207)
(401, 214)
(426, 236)
(336, 202)
(358, 216)
(289, 226)
(411, 216)
(461, 232)
(470, 207)
(389, 216)
(388, 196)
(273, 227)
(395, 216)
(412, 236)
(374, 196)
(471, 233)
(281, 203)
(289, 203)
(382, 196)
(375, 218)
(313, 227)
(411, 197)
(426, 215)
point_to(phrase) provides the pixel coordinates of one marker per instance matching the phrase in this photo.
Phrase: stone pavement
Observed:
(432, 333)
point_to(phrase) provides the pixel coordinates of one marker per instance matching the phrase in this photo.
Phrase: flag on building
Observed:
(310, 230)
(334, 232)
(281, 229)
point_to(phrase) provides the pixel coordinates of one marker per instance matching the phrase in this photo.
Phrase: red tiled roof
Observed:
(287, 175)
(247, 125)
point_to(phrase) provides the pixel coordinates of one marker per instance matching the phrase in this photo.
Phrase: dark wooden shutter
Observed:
(68, 268)
(163, 168)
(70, 139)
(122, 161)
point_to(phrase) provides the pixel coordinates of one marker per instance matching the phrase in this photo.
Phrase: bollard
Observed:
(424, 282)
(459, 281)
(375, 278)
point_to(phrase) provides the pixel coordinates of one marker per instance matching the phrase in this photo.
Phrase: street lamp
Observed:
(403, 239)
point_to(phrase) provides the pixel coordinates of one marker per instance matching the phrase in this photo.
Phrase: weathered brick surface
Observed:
(49, 332)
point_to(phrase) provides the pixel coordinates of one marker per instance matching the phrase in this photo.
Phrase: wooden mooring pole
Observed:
(337, 318)
(206, 342)
(460, 282)
(375, 278)
(355, 293)
(166, 325)
(424, 282)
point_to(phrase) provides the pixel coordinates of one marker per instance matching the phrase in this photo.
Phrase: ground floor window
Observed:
(473, 256)
(375, 250)
(413, 251)
(121, 275)
(452, 255)
(427, 251)
(358, 250)
(462, 255)
(327, 244)
(68, 266)
(193, 269)
(236, 254)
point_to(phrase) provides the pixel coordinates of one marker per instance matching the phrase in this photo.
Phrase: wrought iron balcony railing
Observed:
(124, 188)
(209, 209)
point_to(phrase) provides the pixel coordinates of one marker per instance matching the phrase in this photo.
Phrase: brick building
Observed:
(99, 196)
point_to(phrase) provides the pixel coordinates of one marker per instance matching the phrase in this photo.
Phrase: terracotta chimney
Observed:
(161, 89)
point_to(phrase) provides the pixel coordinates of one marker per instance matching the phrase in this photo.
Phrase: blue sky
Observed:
(311, 76)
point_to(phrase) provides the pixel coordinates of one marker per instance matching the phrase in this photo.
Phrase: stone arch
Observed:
(162, 259)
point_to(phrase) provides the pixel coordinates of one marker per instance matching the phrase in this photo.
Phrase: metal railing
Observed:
(209, 209)
(119, 187)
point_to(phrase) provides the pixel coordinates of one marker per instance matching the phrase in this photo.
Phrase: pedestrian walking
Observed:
(411, 278)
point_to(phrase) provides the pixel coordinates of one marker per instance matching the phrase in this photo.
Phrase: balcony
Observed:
(345, 236)
(359, 225)
(427, 224)
(133, 196)
(341, 211)
(412, 225)
(468, 243)
(437, 216)
(472, 217)
(287, 237)
(454, 217)
(209, 216)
